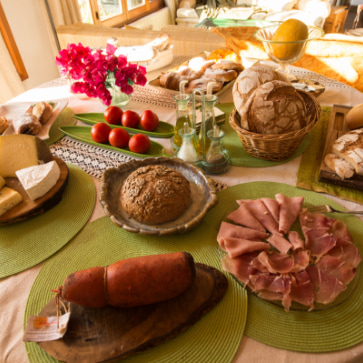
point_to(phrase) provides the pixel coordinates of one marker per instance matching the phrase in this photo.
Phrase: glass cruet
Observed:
(209, 118)
(182, 114)
(187, 150)
(218, 159)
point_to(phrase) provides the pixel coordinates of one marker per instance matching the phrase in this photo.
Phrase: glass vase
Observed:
(119, 98)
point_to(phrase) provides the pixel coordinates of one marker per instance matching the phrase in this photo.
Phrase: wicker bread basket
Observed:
(276, 147)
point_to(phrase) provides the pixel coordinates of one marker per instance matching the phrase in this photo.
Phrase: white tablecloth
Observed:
(15, 289)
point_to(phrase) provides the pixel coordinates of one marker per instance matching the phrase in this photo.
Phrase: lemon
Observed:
(291, 30)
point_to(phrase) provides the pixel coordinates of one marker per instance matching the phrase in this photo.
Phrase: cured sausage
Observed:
(131, 282)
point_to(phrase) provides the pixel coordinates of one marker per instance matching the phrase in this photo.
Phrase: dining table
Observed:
(242, 327)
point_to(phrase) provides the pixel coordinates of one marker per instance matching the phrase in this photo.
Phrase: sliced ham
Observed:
(240, 267)
(302, 289)
(271, 282)
(260, 212)
(239, 246)
(296, 241)
(290, 208)
(337, 268)
(348, 253)
(326, 287)
(273, 206)
(229, 230)
(244, 217)
(276, 262)
(280, 243)
(315, 221)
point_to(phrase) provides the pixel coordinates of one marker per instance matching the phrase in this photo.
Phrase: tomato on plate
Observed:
(113, 115)
(130, 119)
(118, 138)
(100, 132)
(139, 143)
(149, 120)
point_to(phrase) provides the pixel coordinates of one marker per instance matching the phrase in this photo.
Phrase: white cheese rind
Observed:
(9, 198)
(38, 180)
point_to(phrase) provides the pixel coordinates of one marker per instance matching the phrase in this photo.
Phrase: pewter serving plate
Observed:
(203, 197)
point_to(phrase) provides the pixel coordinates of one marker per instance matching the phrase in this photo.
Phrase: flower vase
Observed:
(119, 98)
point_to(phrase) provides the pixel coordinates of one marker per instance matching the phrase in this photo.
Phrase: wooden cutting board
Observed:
(337, 127)
(107, 334)
(29, 208)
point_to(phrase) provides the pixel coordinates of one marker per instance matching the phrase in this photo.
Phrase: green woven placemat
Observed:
(308, 174)
(65, 118)
(25, 244)
(239, 156)
(214, 338)
(336, 328)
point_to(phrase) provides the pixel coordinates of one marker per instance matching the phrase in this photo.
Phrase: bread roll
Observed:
(247, 82)
(354, 118)
(155, 194)
(275, 108)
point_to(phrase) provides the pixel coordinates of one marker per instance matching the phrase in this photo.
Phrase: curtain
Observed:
(65, 12)
(173, 6)
(11, 84)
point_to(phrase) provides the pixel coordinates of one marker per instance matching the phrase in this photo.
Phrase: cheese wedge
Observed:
(21, 151)
(9, 198)
(38, 180)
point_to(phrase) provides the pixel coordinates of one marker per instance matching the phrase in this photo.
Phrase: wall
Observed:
(31, 32)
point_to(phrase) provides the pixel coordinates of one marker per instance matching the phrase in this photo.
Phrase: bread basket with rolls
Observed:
(271, 117)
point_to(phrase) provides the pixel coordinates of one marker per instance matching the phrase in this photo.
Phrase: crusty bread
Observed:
(155, 194)
(3, 124)
(247, 82)
(349, 147)
(275, 108)
(340, 166)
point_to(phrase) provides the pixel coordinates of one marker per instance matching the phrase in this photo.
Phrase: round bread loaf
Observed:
(275, 108)
(247, 82)
(155, 194)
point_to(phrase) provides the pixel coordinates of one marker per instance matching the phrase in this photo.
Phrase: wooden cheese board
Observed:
(337, 127)
(108, 334)
(29, 208)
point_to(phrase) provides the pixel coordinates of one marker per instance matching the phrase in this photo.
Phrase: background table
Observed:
(14, 290)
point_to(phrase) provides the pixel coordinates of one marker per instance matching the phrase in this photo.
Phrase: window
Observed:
(117, 12)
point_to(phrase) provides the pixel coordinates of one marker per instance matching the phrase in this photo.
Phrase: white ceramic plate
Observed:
(13, 110)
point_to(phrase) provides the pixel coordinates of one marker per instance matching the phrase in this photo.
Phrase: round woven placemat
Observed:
(239, 156)
(333, 329)
(25, 244)
(214, 338)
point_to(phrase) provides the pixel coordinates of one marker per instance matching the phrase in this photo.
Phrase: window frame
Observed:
(127, 16)
(11, 45)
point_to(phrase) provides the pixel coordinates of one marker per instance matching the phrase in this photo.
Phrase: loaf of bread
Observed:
(248, 81)
(340, 166)
(275, 108)
(349, 147)
(155, 194)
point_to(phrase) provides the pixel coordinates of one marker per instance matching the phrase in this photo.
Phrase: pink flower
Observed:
(97, 70)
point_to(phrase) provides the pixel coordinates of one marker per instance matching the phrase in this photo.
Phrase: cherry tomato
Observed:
(118, 137)
(99, 132)
(130, 119)
(149, 120)
(113, 115)
(139, 143)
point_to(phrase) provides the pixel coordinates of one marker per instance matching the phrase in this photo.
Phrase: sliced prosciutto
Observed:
(229, 230)
(312, 265)
(326, 287)
(261, 213)
(244, 217)
(289, 210)
(239, 246)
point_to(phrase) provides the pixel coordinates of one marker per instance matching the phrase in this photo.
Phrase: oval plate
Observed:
(203, 197)
(83, 133)
(164, 130)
